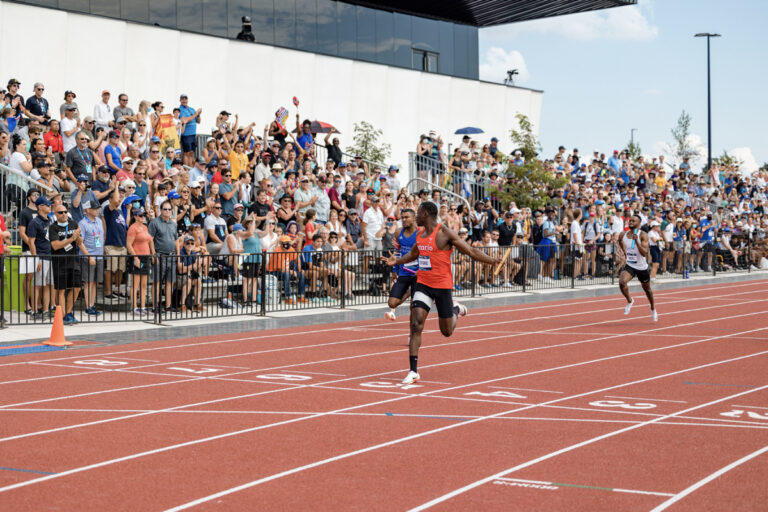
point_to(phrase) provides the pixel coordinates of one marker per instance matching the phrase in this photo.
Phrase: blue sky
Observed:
(606, 72)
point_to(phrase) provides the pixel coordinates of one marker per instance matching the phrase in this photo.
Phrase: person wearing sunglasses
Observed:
(65, 237)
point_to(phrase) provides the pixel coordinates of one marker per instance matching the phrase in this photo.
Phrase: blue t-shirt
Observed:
(406, 244)
(116, 155)
(142, 190)
(227, 205)
(191, 127)
(304, 141)
(116, 226)
(93, 235)
(252, 247)
(307, 256)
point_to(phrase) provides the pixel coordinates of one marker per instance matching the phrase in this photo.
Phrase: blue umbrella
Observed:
(469, 130)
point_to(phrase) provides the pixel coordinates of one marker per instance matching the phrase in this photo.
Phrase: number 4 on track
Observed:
(503, 394)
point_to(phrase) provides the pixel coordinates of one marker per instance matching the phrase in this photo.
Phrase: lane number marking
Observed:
(622, 404)
(503, 394)
(101, 362)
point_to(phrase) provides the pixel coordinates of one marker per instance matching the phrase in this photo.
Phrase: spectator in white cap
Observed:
(656, 242)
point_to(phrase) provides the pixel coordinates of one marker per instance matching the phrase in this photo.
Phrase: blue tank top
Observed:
(406, 244)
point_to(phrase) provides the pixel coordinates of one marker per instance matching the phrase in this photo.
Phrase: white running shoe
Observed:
(462, 308)
(628, 307)
(654, 315)
(390, 315)
(411, 378)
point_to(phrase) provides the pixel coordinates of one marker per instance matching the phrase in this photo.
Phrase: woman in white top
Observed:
(668, 254)
(656, 242)
(334, 224)
(577, 246)
(20, 161)
(233, 245)
(591, 230)
(141, 137)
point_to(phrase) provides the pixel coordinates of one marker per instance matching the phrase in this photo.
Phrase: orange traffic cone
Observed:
(57, 338)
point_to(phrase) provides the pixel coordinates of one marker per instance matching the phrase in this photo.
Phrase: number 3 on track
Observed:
(622, 404)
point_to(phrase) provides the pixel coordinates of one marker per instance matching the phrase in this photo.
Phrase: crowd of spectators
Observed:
(176, 219)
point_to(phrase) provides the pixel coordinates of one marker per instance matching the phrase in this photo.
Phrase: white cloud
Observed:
(630, 23)
(497, 62)
(748, 162)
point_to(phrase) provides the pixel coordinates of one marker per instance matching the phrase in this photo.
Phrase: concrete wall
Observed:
(87, 54)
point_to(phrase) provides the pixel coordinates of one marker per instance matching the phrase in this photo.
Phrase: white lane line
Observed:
(59, 429)
(704, 481)
(219, 366)
(647, 399)
(322, 462)
(322, 373)
(751, 407)
(526, 389)
(513, 309)
(253, 429)
(614, 489)
(572, 447)
(385, 337)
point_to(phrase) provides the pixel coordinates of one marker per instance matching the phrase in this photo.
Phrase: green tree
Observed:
(529, 184)
(634, 150)
(764, 167)
(366, 143)
(682, 146)
(727, 160)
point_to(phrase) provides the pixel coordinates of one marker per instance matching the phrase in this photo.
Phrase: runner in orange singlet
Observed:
(434, 279)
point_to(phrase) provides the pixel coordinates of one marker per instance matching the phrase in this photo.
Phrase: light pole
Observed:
(709, 100)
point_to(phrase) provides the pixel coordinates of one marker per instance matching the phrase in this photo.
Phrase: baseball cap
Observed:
(162, 186)
(121, 119)
(266, 154)
(285, 239)
(494, 139)
(201, 160)
(173, 195)
(514, 211)
(82, 177)
(114, 135)
(13, 81)
(182, 96)
(238, 205)
(343, 164)
(42, 200)
(93, 205)
(194, 184)
(103, 168)
(224, 113)
(71, 107)
(278, 166)
(382, 177)
(173, 172)
(352, 211)
(423, 191)
(239, 227)
(177, 161)
(155, 138)
(138, 211)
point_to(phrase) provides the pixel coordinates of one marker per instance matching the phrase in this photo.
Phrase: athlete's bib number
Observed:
(425, 263)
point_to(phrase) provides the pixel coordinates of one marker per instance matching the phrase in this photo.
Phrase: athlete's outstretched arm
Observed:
(392, 260)
(472, 252)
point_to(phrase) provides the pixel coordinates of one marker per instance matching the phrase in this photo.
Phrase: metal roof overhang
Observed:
(487, 13)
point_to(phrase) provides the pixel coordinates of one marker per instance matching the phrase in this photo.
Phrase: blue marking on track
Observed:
(718, 384)
(427, 416)
(28, 471)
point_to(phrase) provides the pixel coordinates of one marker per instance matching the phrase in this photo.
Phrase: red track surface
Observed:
(553, 406)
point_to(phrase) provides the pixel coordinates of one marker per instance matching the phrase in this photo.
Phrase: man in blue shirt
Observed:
(114, 244)
(190, 117)
(707, 239)
(92, 267)
(40, 246)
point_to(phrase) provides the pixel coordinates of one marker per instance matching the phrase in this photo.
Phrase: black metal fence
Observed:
(121, 288)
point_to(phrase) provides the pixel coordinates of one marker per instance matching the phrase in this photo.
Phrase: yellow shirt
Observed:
(661, 182)
(238, 162)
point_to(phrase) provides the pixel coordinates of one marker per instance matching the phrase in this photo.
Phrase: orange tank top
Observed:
(434, 264)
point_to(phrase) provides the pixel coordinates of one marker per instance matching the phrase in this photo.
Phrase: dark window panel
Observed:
(306, 25)
(75, 5)
(432, 63)
(460, 48)
(236, 9)
(190, 15)
(327, 28)
(285, 23)
(109, 8)
(162, 13)
(366, 34)
(473, 66)
(347, 27)
(215, 20)
(263, 18)
(447, 55)
(425, 34)
(135, 10)
(417, 59)
(402, 40)
(385, 37)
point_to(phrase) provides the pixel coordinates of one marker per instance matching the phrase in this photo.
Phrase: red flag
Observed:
(295, 101)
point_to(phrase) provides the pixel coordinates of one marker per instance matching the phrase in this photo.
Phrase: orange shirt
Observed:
(434, 264)
(280, 258)
(141, 235)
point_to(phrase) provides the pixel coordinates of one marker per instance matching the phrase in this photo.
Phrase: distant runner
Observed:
(635, 248)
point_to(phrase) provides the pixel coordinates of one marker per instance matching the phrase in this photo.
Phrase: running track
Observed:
(564, 405)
